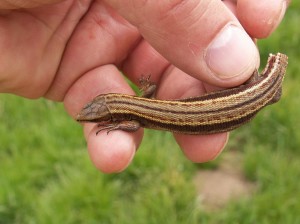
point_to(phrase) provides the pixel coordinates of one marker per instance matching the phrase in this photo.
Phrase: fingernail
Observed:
(231, 53)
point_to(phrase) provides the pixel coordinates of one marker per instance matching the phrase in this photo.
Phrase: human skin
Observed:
(71, 51)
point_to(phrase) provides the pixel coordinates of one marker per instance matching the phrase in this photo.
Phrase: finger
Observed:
(231, 5)
(16, 4)
(260, 18)
(202, 148)
(111, 152)
(102, 37)
(202, 38)
(145, 60)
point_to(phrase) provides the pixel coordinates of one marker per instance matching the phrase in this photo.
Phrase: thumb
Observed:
(202, 38)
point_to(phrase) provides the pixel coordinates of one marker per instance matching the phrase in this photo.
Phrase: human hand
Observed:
(71, 51)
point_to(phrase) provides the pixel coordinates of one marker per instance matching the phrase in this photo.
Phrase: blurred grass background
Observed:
(47, 177)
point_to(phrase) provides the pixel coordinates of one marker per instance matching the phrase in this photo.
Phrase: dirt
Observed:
(217, 187)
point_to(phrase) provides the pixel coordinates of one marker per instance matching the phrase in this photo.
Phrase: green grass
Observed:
(46, 175)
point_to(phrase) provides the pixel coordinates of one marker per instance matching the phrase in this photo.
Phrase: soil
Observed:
(216, 188)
